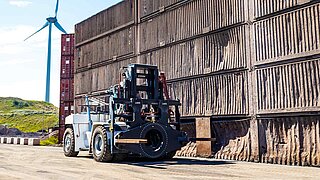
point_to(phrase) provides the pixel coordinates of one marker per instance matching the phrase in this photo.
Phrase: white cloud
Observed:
(20, 4)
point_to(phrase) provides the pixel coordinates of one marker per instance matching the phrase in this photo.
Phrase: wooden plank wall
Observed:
(262, 8)
(290, 140)
(114, 45)
(289, 87)
(285, 56)
(105, 21)
(194, 18)
(224, 94)
(250, 65)
(101, 78)
(233, 140)
(288, 35)
(220, 51)
(148, 7)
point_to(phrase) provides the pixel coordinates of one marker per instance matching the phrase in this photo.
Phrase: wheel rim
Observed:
(67, 143)
(98, 144)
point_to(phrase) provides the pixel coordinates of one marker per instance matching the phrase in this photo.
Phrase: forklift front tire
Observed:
(69, 143)
(100, 148)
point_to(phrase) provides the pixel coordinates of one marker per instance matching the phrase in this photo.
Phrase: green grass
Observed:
(9, 104)
(26, 115)
(50, 141)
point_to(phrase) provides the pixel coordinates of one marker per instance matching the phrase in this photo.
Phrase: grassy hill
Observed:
(26, 115)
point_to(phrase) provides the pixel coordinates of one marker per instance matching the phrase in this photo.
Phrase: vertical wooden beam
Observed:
(137, 4)
(203, 130)
(254, 138)
(252, 85)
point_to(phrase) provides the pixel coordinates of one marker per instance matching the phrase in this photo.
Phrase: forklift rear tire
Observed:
(100, 148)
(69, 143)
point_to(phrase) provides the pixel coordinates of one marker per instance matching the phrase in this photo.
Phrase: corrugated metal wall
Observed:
(66, 104)
(250, 65)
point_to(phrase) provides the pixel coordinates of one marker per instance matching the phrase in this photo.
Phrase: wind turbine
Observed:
(50, 21)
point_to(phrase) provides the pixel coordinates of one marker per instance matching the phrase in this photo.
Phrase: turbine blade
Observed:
(57, 6)
(60, 27)
(45, 25)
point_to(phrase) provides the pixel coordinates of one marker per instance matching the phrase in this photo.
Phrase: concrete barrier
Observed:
(33, 142)
(9, 140)
(3, 140)
(16, 140)
(24, 141)
(21, 141)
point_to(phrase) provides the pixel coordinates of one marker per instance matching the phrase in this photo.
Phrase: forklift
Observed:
(135, 118)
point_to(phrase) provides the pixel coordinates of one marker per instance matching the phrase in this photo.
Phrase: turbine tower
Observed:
(50, 21)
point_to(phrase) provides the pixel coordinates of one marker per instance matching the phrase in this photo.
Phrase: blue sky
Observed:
(23, 64)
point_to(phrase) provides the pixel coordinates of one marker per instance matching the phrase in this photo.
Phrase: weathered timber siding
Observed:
(246, 63)
(288, 35)
(290, 141)
(105, 21)
(112, 46)
(233, 140)
(265, 7)
(291, 87)
(150, 6)
(212, 95)
(225, 50)
(101, 78)
(189, 128)
(195, 18)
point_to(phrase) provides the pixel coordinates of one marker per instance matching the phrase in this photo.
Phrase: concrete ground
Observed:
(25, 162)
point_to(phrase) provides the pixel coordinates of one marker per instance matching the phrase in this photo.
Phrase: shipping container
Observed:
(105, 21)
(290, 140)
(67, 44)
(262, 7)
(235, 140)
(66, 80)
(224, 94)
(66, 108)
(194, 18)
(101, 78)
(110, 47)
(246, 65)
(288, 35)
(67, 66)
(148, 7)
(221, 51)
(293, 87)
(66, 89)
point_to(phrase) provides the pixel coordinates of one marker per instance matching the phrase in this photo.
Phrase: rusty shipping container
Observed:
(249, 66)
(66, 106)
(67, 45)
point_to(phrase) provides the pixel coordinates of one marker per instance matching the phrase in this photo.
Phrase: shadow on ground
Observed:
(175, 161)
(162, 164)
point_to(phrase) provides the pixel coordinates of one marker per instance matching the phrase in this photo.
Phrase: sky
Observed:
(23, 63)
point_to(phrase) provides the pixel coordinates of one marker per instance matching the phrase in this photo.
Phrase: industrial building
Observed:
(246, 71)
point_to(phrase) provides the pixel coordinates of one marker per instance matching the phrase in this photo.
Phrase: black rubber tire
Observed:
(69, 143)
(100, 148)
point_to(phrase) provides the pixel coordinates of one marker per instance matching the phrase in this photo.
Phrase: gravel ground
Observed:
(26, 162)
